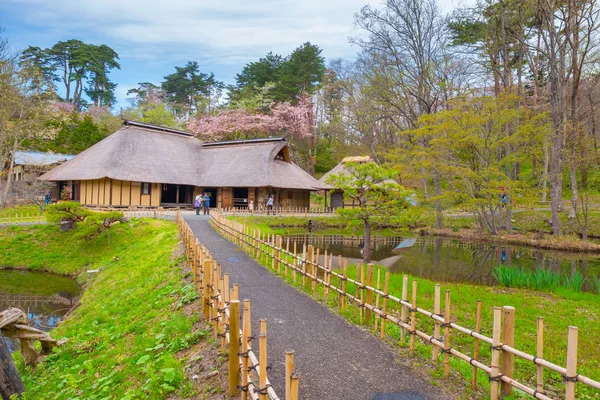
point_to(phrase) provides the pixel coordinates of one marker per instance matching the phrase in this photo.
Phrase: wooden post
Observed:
(385, 297)
(437, 309)
(234, 346)
(10, 380)
(476, 347)
(287, 258)
(294, 385)
(278, 253)
(369, 292)
(362, 292)
(377, 286)
(246, 333)
(508, 338)
(413, 318)
(295, 262)
(325, 284)
(235, 292)
(494, 373)
(571, 377)
(206, 282)
(447, 336)
(403, 308)
(540, 354)
(289, 370)
(310, 260)
(262, 360)
(315, 273)
(342, 299)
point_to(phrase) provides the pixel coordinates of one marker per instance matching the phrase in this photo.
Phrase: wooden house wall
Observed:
(109, 192)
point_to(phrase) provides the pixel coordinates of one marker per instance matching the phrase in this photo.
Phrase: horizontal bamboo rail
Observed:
(29, 218)
(220, 305)
(280, 211)
(309, 268)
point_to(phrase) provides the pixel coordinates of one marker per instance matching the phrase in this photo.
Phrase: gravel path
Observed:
(335, 359)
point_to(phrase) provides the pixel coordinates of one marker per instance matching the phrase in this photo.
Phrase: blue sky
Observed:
(152, 36)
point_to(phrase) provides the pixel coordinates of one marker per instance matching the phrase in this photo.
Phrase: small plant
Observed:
(66, 193)
(575, 282)
(540, 279)
(596, 282)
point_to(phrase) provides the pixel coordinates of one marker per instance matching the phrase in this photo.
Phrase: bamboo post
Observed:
(262, 361)
(206, 281)
(304, 255)
(315, 273)
(311, 258)
(289, 370)
(234, 346)
(272, 246)
(413, 318)
(540, 354)
(325, 284)
(246, 333)
(259, 248)
(342, 300)
(294, 385)
(508, 338)
(437, 309)
(476, 347)
(287, 252)
(571, 376)
(278, 253)
(376, 323)
(494, 371)
(447, 335)
(403, 308)
(369, 292)
(362, 293)
(385, 297)
(295, 262)
(214, 299)
(235, 292)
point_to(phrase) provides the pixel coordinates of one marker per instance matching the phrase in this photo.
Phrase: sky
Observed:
(153, 36)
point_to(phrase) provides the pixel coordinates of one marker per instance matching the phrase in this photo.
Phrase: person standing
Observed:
(206, 204)
(198, 203)
(270, 203)
(251, 206)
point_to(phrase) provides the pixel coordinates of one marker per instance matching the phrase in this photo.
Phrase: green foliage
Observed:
(326, 160)
(285, 79)
(538, 279)
(124, 336)
(94, 222)
(152, 113)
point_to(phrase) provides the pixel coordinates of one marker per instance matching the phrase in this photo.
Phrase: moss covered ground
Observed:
(124, 337)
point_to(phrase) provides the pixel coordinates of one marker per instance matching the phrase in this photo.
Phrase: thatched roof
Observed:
(341, 168)
(146, 153)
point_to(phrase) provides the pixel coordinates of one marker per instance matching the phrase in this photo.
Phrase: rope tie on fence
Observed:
(410, 309)
(471, 361)
(447, 325)
(253, 368)
(432, 338)
(214, 297)
(263, 390)
(244, 354)
(497, 378)
(570, 378)
(446, 351)
(535, 358)
(412, 332)
(245, 387)
(499, 347)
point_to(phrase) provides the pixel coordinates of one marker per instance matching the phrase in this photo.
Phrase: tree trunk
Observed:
(10, 380)
(439, 221)
(367, 246)
(545, 174)
(9, 176)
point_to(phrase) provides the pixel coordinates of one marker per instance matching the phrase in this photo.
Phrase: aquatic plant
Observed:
(596, 282)
(541, 279)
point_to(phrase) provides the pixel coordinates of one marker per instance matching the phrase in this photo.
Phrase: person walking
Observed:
(198, 203)
(270, 203)
(206, 204)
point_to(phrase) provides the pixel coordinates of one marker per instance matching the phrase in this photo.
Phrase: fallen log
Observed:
(13, 324)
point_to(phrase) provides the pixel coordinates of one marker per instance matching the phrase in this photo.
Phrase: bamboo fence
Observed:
(374, 305)
(221, 305)
(280, 211)
(29, 218)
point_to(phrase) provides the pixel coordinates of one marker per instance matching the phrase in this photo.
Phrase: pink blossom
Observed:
(284, 119)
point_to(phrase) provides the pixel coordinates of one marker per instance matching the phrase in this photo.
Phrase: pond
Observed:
(452, 260)
(44, 297)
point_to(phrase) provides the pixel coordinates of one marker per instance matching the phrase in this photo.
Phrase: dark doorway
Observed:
(337, 200)
(240, 197)
(176, 194)
(212, 193)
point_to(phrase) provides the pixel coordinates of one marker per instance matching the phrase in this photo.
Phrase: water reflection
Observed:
(451, 260)
(45, 298)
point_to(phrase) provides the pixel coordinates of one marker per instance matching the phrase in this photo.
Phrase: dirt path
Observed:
(335, 360)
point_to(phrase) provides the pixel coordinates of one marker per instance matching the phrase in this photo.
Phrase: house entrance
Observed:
(212, 193)
(175, 195)
(240, 197)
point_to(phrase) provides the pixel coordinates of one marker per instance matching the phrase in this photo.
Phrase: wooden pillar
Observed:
(571, 378)
(234, 346)
(494, 372)
(508, 338)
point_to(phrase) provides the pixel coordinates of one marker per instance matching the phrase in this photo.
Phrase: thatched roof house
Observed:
(147, 165)
(336, 197)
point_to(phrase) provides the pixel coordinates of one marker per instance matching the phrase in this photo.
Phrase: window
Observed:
(145, 188)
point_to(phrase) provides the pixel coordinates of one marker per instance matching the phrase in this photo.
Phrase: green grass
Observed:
(560, 309)
(538, 279)
(20, 210)
(123, 338)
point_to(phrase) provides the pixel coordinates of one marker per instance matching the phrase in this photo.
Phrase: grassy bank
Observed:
(123, 339)
(560, 310)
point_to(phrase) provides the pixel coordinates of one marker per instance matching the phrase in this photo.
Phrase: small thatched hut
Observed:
(336, 197)
(151, 166)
